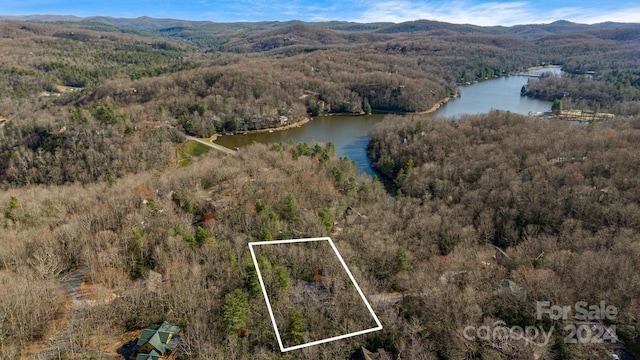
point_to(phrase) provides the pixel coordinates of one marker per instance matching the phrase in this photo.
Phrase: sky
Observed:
(477, 12)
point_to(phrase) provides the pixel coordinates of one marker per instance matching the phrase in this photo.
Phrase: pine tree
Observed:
(290, 211)
(235, 307)
(556, 108)
(367, 107)
(402, 264)
(11, 211)
(266, 235)
(251, 281)
(282, 277)
(201, 236)
(296, 328)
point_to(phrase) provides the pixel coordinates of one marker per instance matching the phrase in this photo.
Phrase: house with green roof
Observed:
(158, 342)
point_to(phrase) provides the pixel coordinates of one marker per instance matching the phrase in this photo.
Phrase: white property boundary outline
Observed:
(344, 265)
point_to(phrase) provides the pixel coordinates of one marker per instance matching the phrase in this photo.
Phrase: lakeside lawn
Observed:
(189, 150)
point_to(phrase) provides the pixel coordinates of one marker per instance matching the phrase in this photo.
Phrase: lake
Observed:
(350, 134)
(499, 94)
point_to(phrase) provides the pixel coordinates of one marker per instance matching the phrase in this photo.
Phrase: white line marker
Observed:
(266, 296)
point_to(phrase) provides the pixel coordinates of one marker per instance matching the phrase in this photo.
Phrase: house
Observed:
(364, 354)
(352, 216)
(158, 342)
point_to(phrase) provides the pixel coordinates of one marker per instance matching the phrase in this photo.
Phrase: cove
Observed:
(497, 94)
(350, 134)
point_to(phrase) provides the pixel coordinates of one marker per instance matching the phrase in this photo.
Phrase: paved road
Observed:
(211, 145)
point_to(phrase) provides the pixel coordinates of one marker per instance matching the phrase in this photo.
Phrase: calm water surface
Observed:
(499, 94)
(350, 134)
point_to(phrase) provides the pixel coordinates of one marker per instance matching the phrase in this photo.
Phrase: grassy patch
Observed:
(190, 149)
(195, 148)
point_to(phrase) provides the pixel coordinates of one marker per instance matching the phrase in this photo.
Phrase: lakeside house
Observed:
(158, 342)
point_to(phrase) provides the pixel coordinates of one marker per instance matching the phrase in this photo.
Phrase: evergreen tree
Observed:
(282, 277)
(556, 108)
(11, 211)
(296, 328)
(402, 264)
(367, 107)
(202, 235)
(290, 210)
(266, 235)
(251, 281)
(327, 220)
(316, 108)
(234, 311)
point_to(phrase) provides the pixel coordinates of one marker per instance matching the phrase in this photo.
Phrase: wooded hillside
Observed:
(565, 216)
(561, 198)
(493, 212)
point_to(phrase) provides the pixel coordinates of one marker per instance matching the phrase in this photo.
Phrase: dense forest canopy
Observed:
(491, 213)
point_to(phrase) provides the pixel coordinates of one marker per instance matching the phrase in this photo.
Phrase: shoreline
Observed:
(435, 107)
(430, 110)
(548, 66)
(279, 128)
(304, 121)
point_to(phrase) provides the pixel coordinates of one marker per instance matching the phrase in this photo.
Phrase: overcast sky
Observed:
(478, 12)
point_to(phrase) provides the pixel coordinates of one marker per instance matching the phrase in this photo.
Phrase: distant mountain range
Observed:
(150, 24)
(261, 36)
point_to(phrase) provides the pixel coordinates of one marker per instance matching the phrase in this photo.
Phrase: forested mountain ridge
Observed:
(185, 30)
